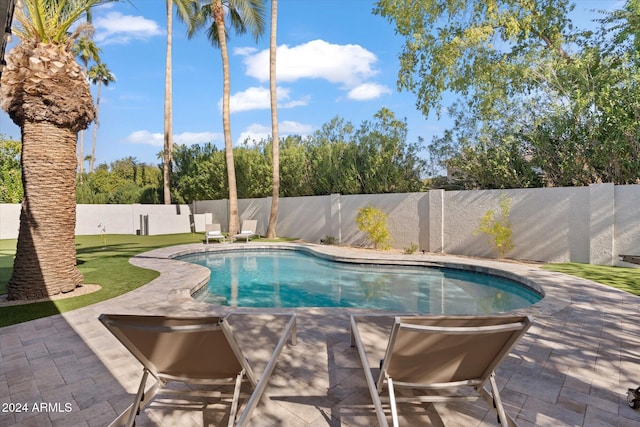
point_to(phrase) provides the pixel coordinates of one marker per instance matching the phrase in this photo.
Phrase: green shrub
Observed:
(498, 227)
(329, 240)
(373, 222)
(412, 248)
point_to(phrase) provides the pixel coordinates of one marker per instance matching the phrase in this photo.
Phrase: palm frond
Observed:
(185, 9)
(244, 15)
(100, 73)
(248, 14)
(50, 20)
(199, 16)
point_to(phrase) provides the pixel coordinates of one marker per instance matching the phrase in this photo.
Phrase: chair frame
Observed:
(208, 228)
(246, 236)
(517, 325)
(143, 397)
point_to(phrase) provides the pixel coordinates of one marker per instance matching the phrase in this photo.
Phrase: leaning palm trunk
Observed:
(96, 125)
(243, 15)
(47, 95)
(275, 148)
(168, 110)
(81, 153)
(234, 219)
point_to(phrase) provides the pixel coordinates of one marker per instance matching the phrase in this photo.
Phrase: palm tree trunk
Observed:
(96, 124)
(168, 110)
(234, 220)
(42, 266)
(275, 140)
(81, 154)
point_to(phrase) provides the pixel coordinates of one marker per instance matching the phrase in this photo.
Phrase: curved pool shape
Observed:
(288, 278)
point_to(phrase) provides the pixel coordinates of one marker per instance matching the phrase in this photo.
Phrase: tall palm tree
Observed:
(275, 141)
(86, 50)
(46, 93)
(99, 75)
(243, 15)
(168, 110)
(184, 8)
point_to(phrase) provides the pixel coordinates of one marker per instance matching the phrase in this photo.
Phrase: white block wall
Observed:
(593, 224)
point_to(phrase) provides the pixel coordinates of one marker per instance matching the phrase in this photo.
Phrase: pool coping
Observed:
(555, 298)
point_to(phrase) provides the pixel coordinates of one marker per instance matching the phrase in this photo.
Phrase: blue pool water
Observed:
(283, 278)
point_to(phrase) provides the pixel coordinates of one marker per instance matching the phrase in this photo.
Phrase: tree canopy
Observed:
(540, 102)
(479, 49)
(337, 158)
(374, 157)
(10, 172)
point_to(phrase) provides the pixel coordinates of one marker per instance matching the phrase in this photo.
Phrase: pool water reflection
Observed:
(284, 278)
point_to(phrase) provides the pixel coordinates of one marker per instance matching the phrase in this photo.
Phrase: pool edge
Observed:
(555, 298)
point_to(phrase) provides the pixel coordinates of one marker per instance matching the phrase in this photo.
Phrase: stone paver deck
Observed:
(572, 368)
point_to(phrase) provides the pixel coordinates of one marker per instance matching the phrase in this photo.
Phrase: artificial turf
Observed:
(624, 278)
(103, 260)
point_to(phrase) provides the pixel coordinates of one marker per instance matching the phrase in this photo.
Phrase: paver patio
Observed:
(572, 368)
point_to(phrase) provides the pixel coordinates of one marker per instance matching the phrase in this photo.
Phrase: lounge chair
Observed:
(213, 231)
(198, 350)
(436, 354)
(632, 259)
(248, 230)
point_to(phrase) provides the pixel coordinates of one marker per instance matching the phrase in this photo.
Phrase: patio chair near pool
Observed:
(247, 230)
(435, 358)
(213, 232)
(196, 350)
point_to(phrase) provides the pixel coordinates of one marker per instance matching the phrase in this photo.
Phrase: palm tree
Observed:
(86, 50)
(184, 7)
(275, 141)
(46, 93)
(168, 110)
(243, 15)
(99, 75)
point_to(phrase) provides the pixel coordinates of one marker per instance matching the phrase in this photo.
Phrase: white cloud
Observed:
(257, 132)
(145, 137)
(156, 139)
(254, 98)
(254, 132)
(258, 98)
(348, 64)
(287, 127)
(244, 51)
(367, 91)
(190, 138)
(116, 28)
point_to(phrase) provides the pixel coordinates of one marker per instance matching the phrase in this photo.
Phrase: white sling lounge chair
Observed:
(213, 232)
(248, 230)
(198, 350)
(435, 354)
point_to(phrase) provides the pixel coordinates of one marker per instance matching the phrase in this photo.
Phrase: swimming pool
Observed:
(291, 278)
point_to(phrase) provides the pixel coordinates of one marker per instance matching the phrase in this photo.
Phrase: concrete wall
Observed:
(9, 221)
(404, 211)
(217, 210)
(548, 224)
(307, 218)
(627, 220)
(593, 224)
(116, 219)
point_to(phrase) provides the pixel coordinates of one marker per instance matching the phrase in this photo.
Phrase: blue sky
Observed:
(335, 58)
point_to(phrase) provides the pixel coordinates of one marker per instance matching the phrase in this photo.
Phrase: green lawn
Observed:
(104, 264)
(626, 279)
(103, 260)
